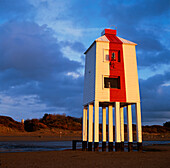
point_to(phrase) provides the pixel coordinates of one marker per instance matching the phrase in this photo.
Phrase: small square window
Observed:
(113, 56)
(112, 82)
(106, 55)
(118, 56)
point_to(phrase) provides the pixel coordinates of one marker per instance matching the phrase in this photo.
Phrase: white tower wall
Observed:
(89, 77)
(131, 74)
(102, 69)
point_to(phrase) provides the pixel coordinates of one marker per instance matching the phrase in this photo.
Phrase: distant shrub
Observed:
(69, 123)
(33, 125)
(155, 129)
(11, 123)
(167, 124)
(62, 121)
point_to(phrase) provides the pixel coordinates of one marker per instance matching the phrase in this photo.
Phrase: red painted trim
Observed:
(110, 31)
(115, 45)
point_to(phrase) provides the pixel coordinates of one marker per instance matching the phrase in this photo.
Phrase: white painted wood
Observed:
(95, 69)
(96, 121)
(84, 124)
(89, 76)
(104, 124)
(102, 69)
(131, 74)
(110, 124)
(138, 122)
(90, 128)
(122, 124)
(129, 123)
(117, 122)
(106, 55)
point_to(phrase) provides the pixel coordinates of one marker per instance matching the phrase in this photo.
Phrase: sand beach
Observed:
(155, 156)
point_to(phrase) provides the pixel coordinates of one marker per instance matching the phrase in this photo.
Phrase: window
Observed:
(106, 55)
(112, 82)
(119, 56)
(113, 56)
(116, 56)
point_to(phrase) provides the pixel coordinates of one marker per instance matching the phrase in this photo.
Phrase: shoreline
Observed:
(70, 137)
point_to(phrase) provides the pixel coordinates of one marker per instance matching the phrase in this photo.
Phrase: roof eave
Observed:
(93, 44)
(90, 47)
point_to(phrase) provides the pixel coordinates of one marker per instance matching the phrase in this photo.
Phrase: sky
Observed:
(41, 53)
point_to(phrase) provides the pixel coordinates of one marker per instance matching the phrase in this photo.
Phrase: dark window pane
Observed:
(113, 56)
(112, 82)
(118, 56)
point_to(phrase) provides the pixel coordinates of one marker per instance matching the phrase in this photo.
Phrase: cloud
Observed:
(155, 97)
(157, 118)
(32, 63)
(76, 46)
(153, 59)
(31, 49)
(12, 10)
(133, 13)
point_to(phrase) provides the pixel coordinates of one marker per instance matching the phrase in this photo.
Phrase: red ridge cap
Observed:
(108, 31)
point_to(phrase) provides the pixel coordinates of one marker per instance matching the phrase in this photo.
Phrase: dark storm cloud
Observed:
(153, 59)
(155, 118)
(18, 10)
(32, 63)
(32, 50)
(133, 13)
(67, 94)
(76, 46)
(155, 96)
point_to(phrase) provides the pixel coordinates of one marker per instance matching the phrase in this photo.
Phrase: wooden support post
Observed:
(129, 128)
(138, 126)
(84, 132)
(90, 128)
(110, 127)
(96, 126)
(103, 128)
(117, 127)
(122, 128)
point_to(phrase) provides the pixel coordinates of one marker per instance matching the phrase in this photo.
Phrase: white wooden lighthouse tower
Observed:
(111, 80)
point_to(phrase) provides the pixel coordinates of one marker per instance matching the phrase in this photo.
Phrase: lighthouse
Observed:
(110, 82)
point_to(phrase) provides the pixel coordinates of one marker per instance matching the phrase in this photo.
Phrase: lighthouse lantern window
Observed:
(112, 82)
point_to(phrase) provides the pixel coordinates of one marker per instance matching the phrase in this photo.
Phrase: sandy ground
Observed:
(69, 135)
(153, 157)
(7, 134)
(55, 134)
(39, 138)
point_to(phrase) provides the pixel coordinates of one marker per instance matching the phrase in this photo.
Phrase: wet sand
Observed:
(154, 156)
(39, 138)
